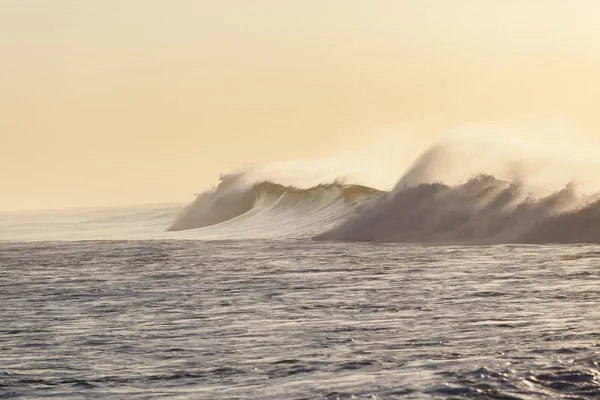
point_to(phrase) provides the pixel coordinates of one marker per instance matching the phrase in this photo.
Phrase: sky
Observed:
(110, 102)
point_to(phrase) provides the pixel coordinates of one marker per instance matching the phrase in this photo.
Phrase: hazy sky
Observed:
(108, 102)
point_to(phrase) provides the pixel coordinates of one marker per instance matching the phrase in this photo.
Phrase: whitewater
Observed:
(477, 184)
(467, 268)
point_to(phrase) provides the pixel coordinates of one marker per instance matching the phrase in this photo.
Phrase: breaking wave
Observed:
(468, 188)
(235, 209)
(484, 210)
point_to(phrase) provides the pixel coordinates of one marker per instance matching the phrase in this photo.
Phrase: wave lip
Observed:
(267, 209)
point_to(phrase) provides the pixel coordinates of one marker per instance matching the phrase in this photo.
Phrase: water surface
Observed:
(297, 319)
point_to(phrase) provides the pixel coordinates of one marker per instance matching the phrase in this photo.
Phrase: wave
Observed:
(484, 210)
(236, 209)
(466, 188)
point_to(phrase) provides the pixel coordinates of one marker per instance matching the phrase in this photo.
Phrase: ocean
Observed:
(268, 291)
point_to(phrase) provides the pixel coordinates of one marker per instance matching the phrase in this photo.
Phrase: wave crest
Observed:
(268, 201)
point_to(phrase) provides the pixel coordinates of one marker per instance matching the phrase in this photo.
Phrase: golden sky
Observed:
(107, 102)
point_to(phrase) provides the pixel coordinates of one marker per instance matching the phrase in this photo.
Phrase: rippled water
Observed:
(296, 319)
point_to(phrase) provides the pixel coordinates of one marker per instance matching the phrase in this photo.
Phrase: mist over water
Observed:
(528, 182)
(480, 183)
(545, 154)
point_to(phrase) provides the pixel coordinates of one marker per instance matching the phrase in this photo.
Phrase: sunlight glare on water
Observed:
(295, 319)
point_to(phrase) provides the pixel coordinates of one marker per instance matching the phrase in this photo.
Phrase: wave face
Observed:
(485, 210)
(266, 209)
